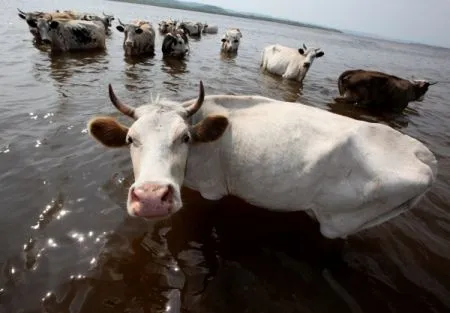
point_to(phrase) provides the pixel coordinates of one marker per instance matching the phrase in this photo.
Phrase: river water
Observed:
(67, 244)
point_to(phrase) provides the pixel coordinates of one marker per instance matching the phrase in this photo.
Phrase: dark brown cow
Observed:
(379, 91)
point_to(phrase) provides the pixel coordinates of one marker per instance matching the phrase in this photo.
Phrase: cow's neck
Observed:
(203, 171)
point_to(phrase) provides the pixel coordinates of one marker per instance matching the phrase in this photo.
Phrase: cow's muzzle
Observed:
(151, 200)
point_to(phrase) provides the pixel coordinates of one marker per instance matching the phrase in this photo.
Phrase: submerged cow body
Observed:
(348, 174)
(72, 35)
(175, 44)
(139, 37)
(210, 29)
(191, 28)
(167, 26)
(231, 40)
(106, 19)
(289, 63)
(379, 91)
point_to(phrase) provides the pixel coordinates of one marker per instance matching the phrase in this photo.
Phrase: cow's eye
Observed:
(185, 138)
(129, 140)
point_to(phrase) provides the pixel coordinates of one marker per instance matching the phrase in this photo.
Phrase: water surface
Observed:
(65, 235)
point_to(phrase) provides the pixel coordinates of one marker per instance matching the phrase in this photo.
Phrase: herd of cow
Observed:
(347, 174)
(69, 30)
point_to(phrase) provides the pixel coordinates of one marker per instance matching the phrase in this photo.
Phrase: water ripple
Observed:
(69, 246)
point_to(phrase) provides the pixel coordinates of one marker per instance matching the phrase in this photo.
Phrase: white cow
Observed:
(139, 37)
(68, 35)
(193, 29)
(230, 40)
(348, 174)
(210, 29)
(290, 63)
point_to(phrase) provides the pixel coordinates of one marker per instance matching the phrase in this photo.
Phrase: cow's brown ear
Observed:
(209, 129)
(108, 132)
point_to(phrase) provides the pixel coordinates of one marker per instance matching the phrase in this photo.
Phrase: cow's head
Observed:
(309, 55)
(420, 88)
(46, 28)
(31, 19)
(107, 18)
(175, 44)
(183, 27)
(30, 15)
(132, 33)
(159, 141)
(231, 40)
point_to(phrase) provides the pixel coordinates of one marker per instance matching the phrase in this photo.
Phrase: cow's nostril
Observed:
(46, 41)
(167, 194)
(134, 196)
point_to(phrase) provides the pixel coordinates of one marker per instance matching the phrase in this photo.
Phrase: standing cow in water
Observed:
(379, 91)
(175, 44)
(193, 29)
(106, 19)
(32, 17)
(210, 29)
(139, 37)
(231, 40)
(167, 26)
(348, 174)
(72, 35)
(289, 63)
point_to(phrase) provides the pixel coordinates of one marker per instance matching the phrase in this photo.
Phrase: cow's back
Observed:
(80, 34)
(288, 156)
(281, 60)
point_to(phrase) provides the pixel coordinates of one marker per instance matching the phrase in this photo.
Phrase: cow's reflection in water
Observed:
(168, 266)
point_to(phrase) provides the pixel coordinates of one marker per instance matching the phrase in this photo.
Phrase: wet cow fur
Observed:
(379, 91)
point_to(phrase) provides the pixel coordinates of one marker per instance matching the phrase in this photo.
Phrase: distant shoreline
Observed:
(206, 9)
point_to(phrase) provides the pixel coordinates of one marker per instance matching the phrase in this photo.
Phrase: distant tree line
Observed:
(192, 6)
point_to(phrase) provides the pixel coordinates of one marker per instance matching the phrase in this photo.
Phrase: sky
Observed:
(424, 21)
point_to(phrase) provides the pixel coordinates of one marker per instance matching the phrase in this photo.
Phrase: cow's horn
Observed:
(20, 11)
(432, 83)
(122, 107)
(304, 47)
(191, 109)
(120, 22)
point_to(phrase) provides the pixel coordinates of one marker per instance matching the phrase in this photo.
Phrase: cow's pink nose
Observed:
(151, 200)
